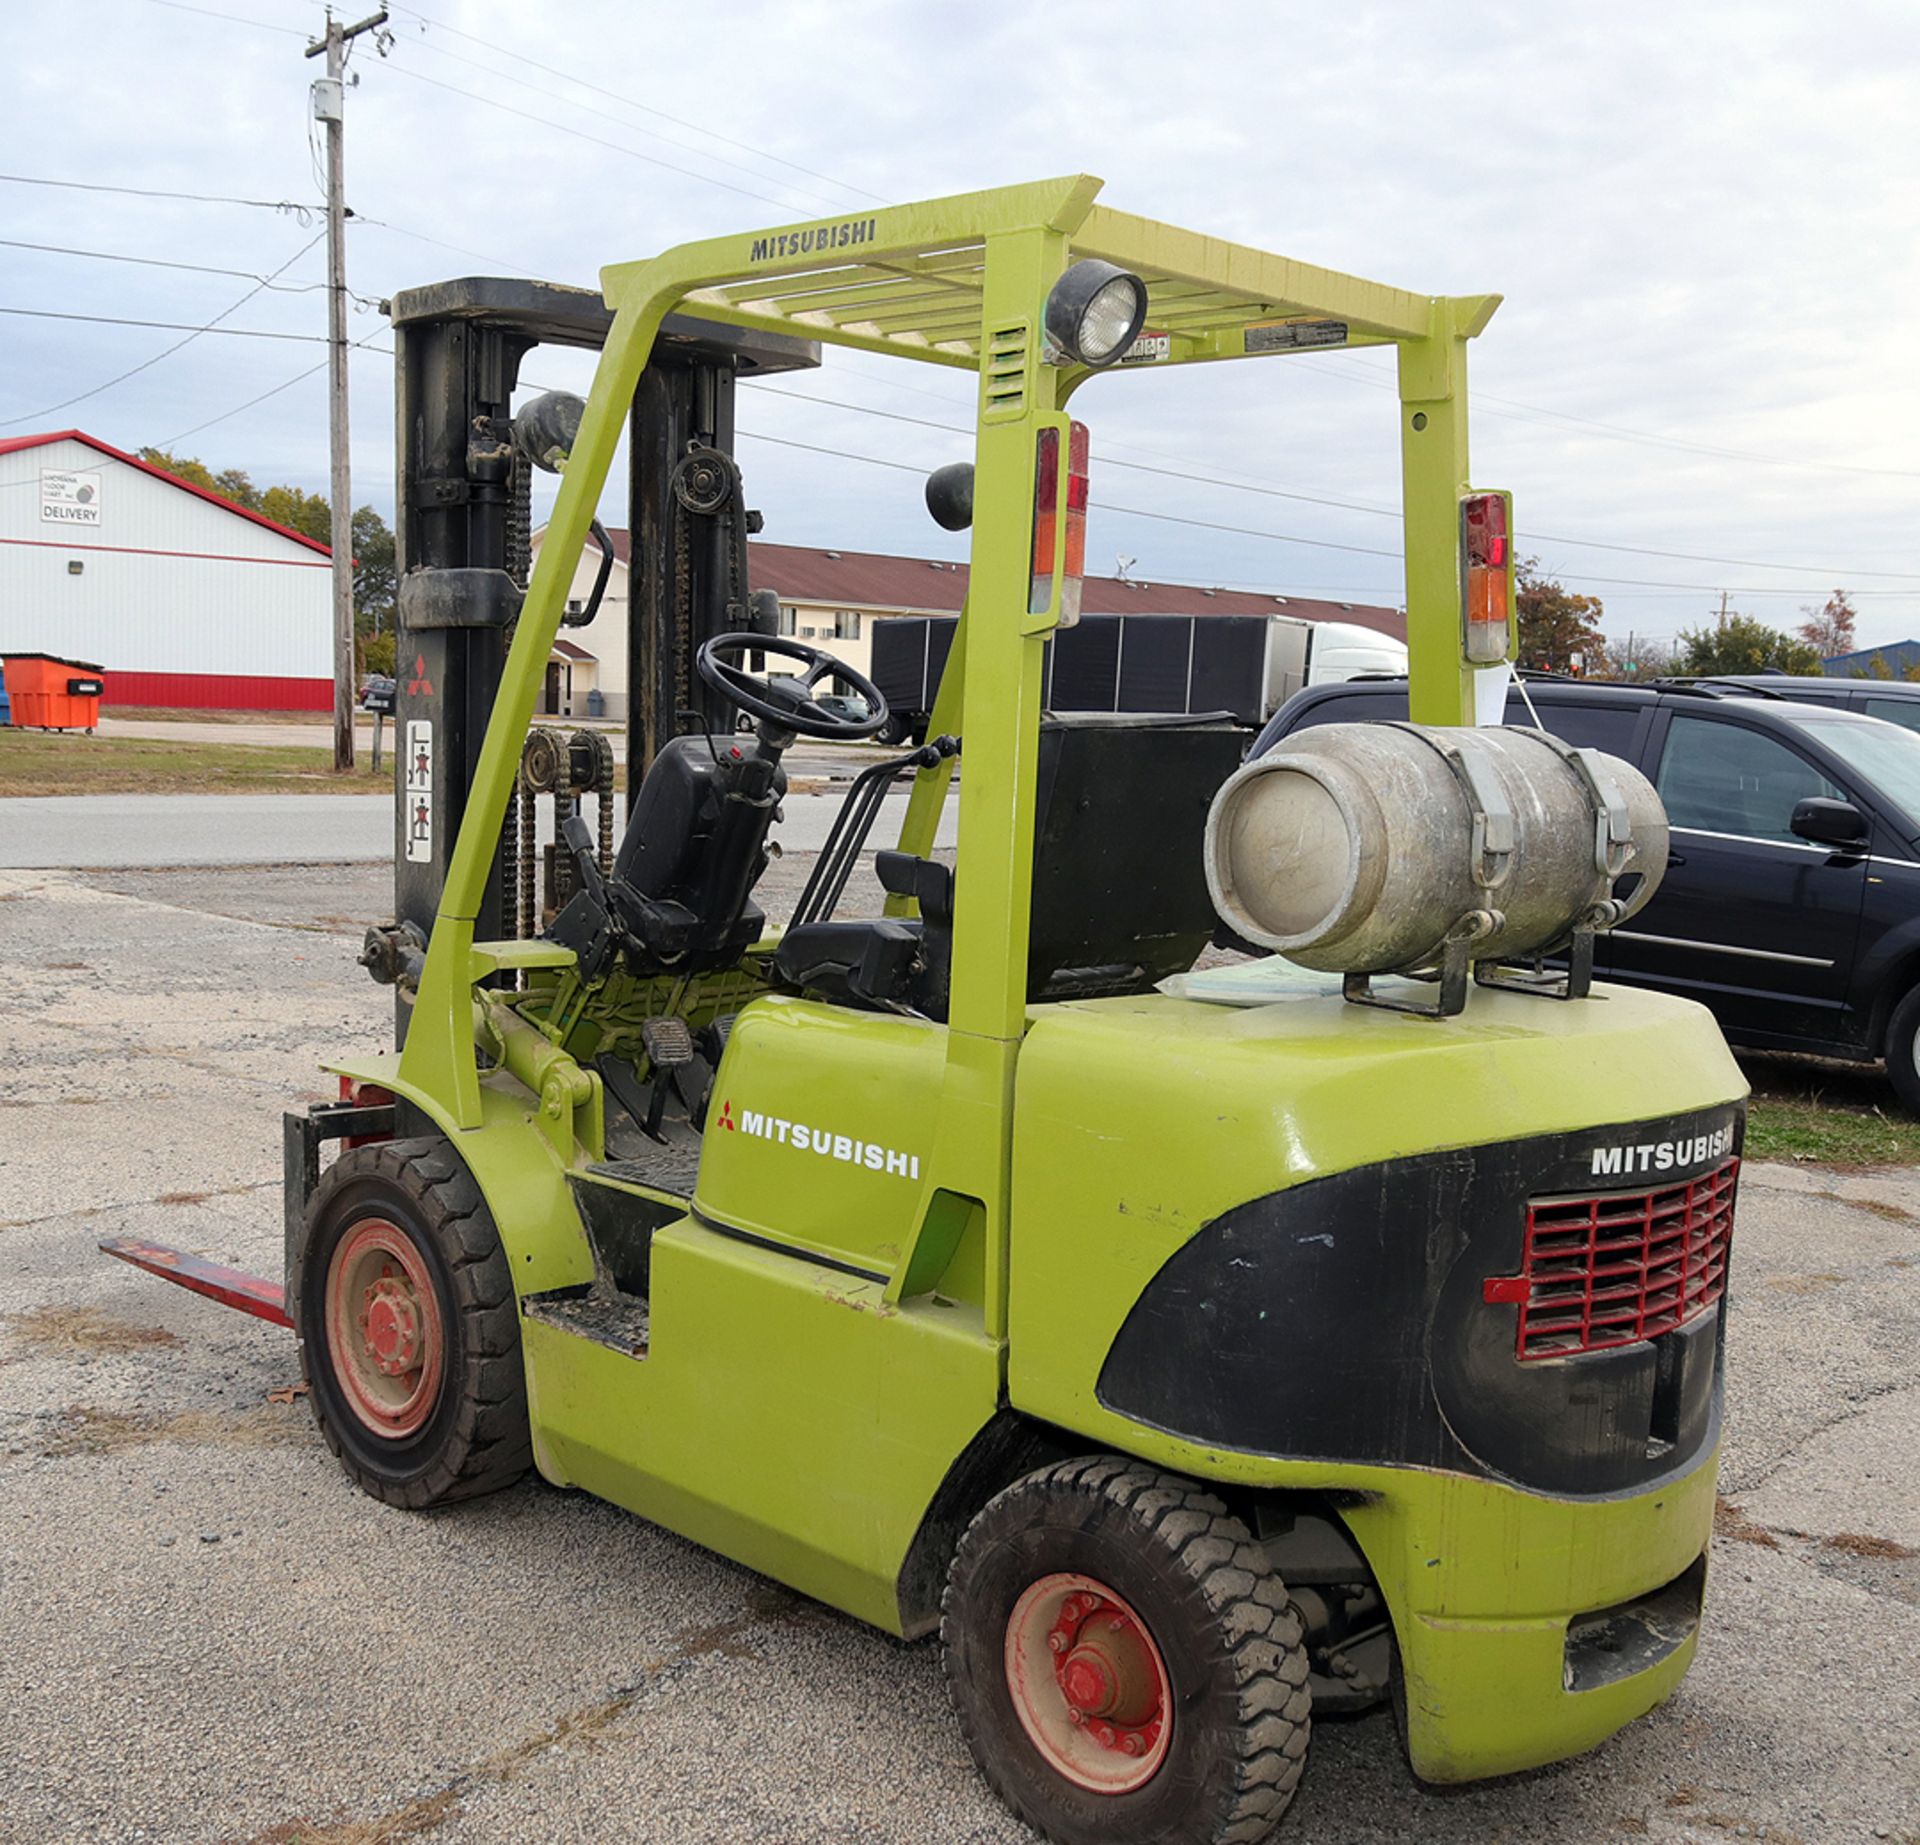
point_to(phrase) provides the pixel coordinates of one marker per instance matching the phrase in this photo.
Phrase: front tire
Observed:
(1124, 1661)
(409, 1330)
(1903, 1052)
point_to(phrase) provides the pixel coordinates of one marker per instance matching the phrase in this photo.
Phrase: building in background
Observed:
(1896, 660)
(833, 599)
(184, 598)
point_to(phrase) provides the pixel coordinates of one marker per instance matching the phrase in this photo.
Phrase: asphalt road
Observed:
(113, 831)
(210, 1636)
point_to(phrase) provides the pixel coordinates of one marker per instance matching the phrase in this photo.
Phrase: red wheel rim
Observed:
(384, 1334)
(1088, 1684)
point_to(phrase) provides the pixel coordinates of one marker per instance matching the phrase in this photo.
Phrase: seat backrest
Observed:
(696, 844)
(1120, 896)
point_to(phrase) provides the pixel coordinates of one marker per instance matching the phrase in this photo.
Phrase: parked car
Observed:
(1791, 904)
(848, 705)
(1896, 700)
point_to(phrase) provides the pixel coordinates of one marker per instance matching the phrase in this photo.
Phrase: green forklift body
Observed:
(908, 1233)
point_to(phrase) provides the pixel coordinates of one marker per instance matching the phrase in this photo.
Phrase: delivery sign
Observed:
(68, 497)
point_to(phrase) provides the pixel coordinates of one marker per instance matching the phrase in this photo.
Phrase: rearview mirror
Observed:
(1828, 823)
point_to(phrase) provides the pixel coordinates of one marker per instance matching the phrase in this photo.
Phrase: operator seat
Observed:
(694, 847)
(1120, 895)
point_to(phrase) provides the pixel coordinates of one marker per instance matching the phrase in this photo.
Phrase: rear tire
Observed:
(1903, 1052)
(409, 1330)
(1104, 1576)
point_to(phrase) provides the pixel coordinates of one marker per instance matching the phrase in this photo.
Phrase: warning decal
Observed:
(418, 791)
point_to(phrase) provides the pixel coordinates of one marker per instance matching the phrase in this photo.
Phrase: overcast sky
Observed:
(1705, 220)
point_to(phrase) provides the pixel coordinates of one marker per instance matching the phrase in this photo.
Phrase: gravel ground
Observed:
(210, 1636)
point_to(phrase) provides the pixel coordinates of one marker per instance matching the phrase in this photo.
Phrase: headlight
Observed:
(1095, 312)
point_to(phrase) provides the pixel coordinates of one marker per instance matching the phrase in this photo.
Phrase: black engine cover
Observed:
(1344, 1320)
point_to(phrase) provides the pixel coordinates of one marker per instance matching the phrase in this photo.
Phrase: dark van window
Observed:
(1358, 708)
(1902, 711)
(1586, 727)
(1724, 778)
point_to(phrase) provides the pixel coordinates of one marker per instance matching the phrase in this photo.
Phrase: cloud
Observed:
(1703, 220)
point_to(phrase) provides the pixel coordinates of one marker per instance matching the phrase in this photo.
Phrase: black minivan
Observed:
(1791, 904)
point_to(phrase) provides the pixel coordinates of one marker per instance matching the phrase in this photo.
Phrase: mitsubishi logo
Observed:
(419, 686)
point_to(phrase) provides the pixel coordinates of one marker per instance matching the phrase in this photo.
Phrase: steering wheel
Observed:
(787, 699)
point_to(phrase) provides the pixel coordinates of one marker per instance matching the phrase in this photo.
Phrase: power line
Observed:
(212, 326)
(400, 230)
(312, 371)
(488, 70)
(1281, 493)
(580, 134)
(167, 326)
(286, 384)
(1520, 412)
(908, 467)
(745, 147)
(1249, 531)
(232, 19)
(160, 262)
(305, 213)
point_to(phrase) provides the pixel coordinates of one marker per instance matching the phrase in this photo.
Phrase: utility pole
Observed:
(329, 106)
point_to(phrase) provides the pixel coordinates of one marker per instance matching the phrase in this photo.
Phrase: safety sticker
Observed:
(418, 793)
(1291, 335)
(1148, 347)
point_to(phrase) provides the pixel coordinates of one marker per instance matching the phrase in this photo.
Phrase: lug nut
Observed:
(1058, 1642)
(1075, 1714)
(1131, 1743)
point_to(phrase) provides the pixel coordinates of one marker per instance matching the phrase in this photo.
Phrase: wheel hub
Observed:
(391, 1326)
(1088, 1684)
(385, 1342)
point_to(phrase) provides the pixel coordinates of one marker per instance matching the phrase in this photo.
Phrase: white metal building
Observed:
(180, 596)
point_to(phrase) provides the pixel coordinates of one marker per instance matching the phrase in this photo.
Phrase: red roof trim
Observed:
(13, 444)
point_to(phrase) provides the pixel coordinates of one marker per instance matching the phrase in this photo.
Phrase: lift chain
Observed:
(707, 482)
(603, 792)
(529, 853)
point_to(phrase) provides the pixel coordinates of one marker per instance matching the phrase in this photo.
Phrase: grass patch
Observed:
(67, 762)
(1829, 1133)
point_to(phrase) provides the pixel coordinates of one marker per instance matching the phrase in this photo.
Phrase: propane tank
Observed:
(1367, 848)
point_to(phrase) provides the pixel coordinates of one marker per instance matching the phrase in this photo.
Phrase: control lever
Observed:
(586, 862)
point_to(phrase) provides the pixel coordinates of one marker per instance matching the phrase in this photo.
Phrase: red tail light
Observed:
(1486, 575)
(1059, 517)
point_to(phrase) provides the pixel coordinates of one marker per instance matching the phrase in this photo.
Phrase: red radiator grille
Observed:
(1607, 1270)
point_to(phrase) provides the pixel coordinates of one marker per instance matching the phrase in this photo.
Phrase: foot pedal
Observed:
(714, 1036)
(669, 1043)
(669, 1047)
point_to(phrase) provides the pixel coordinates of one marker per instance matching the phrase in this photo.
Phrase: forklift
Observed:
(1193, 1369)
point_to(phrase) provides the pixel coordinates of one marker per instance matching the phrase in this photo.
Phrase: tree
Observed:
(1649, 658)
(375, 575)
(1829, 630)
(1555, 624)
(1741, 644)
(303, 512)
(376, 653)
